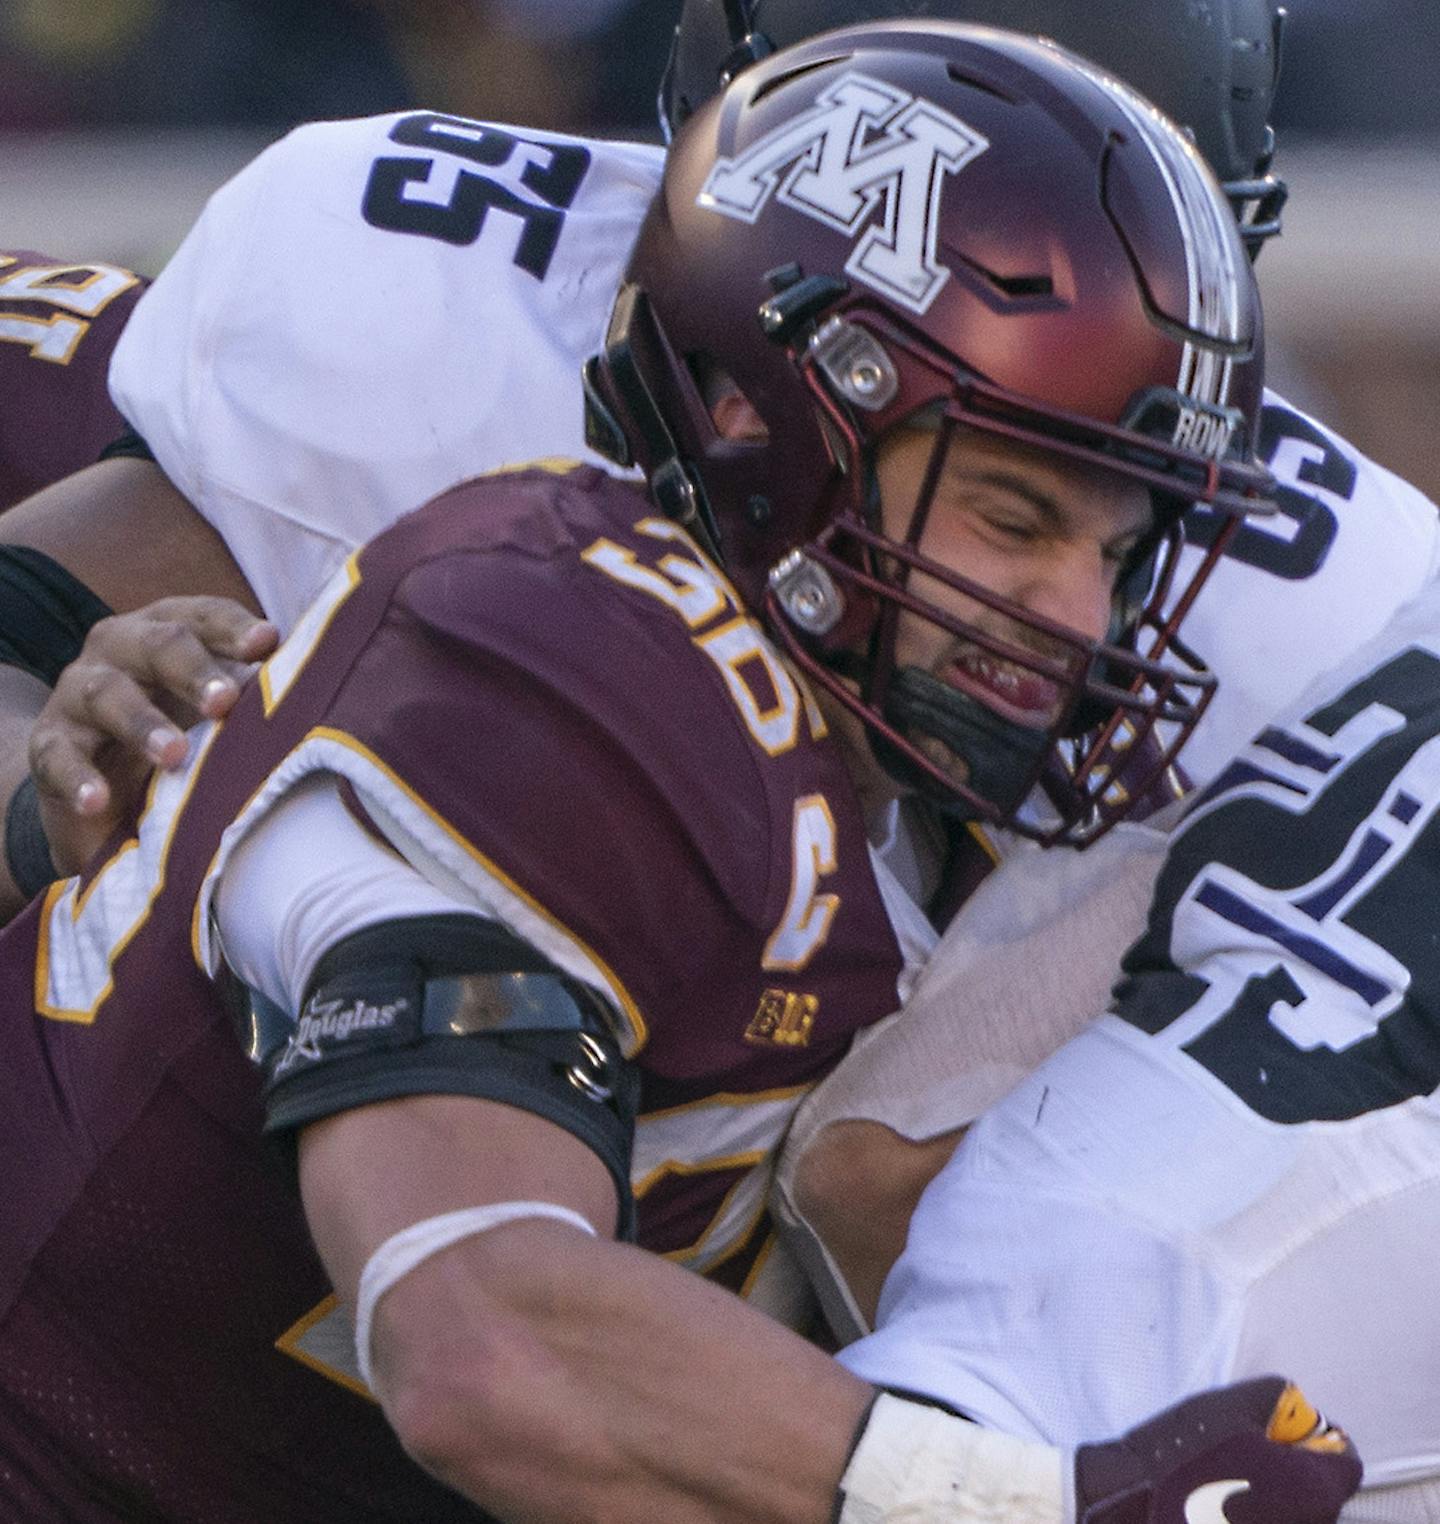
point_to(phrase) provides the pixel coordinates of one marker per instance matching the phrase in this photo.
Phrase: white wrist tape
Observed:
(412, 1246)
(916, 1462)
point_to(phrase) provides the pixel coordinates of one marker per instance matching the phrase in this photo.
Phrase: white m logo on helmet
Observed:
(863, 145)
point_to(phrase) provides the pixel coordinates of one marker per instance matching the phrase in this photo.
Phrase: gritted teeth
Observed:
(1018, 693)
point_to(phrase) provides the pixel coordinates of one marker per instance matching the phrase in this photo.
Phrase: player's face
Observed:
(1046, 533)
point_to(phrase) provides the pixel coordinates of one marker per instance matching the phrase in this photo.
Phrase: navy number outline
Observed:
(1312, 525)
(552, 176)
(1396, 860)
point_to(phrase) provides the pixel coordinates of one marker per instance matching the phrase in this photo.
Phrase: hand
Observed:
(120, 709)
(1253, 1453)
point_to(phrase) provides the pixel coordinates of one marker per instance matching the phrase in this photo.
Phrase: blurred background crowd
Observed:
(1353, 69)
(117, 117)
(271, 63)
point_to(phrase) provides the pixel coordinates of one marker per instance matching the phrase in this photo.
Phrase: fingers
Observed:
(138, 681)
(200, 649)
(91, 708)
(191, 652)
(77, 827)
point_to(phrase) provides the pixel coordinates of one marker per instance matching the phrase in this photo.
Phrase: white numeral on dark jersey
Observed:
(808, 913)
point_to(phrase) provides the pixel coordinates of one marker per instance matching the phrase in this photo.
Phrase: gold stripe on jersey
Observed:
(762, 1258)
(814, 718)
(982, 840)
(554, 465)
(720, 1132)
(732, 1224)
(731, 1100)
(277, 676)
(708, 1166)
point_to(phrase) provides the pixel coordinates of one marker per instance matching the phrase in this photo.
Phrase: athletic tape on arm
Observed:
(412, 1246)
(914, 1461)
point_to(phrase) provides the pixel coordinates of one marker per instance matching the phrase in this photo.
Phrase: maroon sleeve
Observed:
(59, 324)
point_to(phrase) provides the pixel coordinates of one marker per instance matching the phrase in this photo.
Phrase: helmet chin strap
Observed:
(1001, 757)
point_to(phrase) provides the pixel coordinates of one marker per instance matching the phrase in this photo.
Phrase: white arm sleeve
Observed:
(306, 876)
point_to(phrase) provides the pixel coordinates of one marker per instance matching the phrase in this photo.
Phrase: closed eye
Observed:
(1019, 531)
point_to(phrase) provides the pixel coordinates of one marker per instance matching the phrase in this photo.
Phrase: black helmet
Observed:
(1213, 67)
(962, 229)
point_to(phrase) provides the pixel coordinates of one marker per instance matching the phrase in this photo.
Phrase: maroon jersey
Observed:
(555, 698)
(58, 325)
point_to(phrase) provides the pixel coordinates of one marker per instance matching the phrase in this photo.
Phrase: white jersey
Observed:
(1296, 592)
(368, 313)
(374, 310)
(1238, 1170)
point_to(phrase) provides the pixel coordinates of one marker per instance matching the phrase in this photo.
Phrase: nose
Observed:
(1073, 588)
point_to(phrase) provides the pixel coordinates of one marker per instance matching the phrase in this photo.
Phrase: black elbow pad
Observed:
(448, 1005)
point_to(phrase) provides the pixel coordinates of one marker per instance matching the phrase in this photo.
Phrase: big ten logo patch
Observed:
(783, 1019)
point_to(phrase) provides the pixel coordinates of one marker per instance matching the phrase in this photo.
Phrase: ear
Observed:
(736, 420)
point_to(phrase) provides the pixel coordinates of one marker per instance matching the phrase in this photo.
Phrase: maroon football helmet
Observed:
(1214, 67)
(924, 220)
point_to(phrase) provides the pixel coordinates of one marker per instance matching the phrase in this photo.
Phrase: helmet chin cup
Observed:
(1002, 761)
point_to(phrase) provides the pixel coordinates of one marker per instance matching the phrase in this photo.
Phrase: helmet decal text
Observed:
(866, 156)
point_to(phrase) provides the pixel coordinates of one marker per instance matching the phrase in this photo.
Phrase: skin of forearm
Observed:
(128, 535)
(561, 1378)
(857, 1187)
(552, 1376)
